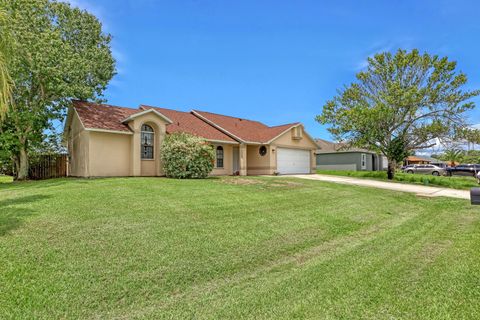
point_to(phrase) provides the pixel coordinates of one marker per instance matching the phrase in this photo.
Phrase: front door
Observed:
(236, 160)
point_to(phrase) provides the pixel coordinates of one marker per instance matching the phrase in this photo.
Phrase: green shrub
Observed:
(186, 156)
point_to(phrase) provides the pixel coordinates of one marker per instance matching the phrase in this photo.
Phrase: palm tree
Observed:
(453, 156)
(6, 82)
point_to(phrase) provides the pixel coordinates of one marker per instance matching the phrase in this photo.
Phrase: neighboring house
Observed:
(105, 140)
(424, 160)
(338, 156)
(416, 160)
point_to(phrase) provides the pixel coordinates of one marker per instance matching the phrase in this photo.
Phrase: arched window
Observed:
(219, 157)
(147, 142)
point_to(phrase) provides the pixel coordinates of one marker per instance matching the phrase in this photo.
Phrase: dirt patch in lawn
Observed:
(286, 184)
(242, 181)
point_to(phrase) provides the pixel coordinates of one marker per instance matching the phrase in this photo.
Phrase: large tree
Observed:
(60, 53)
(400, 103)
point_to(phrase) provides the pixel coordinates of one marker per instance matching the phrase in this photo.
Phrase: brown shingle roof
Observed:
(187, 122)
(108, 117)
(102, 116)
(246, 130)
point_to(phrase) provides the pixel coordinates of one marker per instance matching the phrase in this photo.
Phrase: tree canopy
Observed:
(60, 53)
(400, 103)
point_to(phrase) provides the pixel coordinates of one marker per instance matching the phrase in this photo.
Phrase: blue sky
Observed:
(272, 61)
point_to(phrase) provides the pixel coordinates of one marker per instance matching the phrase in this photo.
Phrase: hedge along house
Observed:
(338, 156)
(105, 141)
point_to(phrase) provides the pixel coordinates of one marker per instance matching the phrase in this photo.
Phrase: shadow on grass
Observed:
(32, 184)
(11, 216)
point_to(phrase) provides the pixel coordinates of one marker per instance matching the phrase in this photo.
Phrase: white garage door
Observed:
(293, 161)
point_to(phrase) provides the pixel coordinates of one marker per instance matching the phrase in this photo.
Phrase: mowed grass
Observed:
(5, 179)
(455, 182)
(231, 248)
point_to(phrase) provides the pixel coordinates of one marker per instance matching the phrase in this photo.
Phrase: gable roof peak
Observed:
(145, 111)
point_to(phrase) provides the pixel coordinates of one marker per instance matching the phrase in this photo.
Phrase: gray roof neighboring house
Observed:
(326, 146)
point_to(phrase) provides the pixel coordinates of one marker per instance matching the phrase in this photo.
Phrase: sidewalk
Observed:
(418, 189)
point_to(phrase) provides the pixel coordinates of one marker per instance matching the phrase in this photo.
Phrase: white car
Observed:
(478, 177)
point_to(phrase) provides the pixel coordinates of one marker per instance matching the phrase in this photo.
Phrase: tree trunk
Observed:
(22, 170)
(392, 164)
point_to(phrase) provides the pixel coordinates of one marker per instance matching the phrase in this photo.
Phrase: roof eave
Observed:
(136, 115)
(221, 141)
(210, 122)
(108, 131)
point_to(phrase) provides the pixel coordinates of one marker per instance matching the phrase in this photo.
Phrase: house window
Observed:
(364, 161)
(219, 157)
(147, 142)
(262, 150)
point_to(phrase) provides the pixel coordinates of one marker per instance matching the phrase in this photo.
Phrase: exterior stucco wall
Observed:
(141, 167)
(78, 140)
(257, 164)
(286, 141)
(148, 168)
(109, 154)
(227, 160)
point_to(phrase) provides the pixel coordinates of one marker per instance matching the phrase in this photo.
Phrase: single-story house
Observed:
(338, 156)
(105, 140)
(416, 160)
(424, 160)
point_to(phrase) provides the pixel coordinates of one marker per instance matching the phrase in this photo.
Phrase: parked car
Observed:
(470, 170)
(424, 169)
(440, 164)
(478, 177)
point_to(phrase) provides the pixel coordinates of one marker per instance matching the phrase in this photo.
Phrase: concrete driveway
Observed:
(418, 189)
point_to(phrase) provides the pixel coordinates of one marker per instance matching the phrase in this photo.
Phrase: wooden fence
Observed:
(48, 166)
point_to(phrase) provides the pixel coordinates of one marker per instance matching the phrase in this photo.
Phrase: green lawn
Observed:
(231, 248)
(455, 182)
(5, 179)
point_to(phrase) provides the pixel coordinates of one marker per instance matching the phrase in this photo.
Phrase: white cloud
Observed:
(374, 49)
(361, 65)
(383, 46)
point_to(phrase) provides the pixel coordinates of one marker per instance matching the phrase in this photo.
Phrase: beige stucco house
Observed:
(105, 140)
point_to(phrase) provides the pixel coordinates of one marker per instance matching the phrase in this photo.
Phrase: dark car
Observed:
(464, 170)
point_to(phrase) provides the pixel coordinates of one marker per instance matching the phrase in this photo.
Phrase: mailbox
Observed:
(475, 196)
